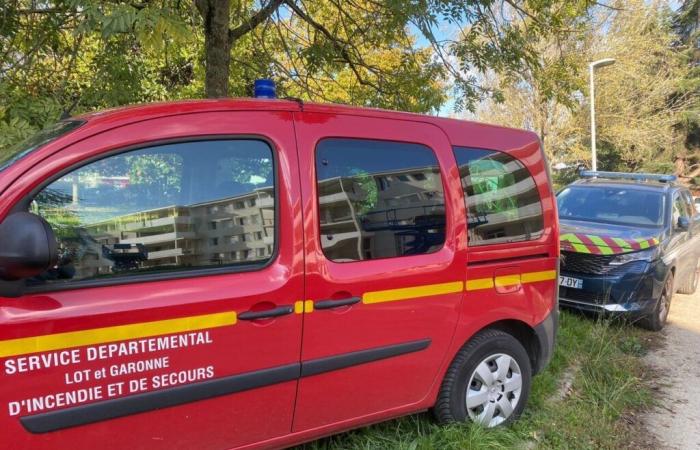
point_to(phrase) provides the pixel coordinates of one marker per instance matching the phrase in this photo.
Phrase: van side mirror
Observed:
(683, 223)
(27, 246)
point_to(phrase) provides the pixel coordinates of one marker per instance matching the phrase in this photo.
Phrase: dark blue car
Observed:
(628, 243)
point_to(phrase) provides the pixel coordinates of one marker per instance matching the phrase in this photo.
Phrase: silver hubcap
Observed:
(494, 390)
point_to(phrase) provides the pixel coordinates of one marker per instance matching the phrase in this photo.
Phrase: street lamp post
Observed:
(591, 67)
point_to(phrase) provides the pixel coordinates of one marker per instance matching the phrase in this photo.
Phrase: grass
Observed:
(607, 382)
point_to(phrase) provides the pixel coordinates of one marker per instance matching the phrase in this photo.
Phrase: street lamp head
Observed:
(602, 63)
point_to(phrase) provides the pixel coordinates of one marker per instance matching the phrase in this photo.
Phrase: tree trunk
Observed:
(217, 45)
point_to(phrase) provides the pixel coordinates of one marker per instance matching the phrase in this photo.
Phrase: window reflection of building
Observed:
(230, 230)
(507, 206)
(405, 216)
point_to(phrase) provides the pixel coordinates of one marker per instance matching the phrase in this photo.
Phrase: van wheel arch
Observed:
(521, 331)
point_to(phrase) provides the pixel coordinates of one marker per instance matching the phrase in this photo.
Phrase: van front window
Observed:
(18, 151)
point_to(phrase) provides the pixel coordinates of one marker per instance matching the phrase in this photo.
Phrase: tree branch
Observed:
(259, 17)
(338, 43)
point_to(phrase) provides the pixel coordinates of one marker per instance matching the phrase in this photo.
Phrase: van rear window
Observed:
(503, 204)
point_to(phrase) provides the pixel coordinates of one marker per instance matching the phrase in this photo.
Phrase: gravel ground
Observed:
(676, 421)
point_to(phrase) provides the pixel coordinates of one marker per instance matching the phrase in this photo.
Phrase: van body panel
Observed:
(363, 341)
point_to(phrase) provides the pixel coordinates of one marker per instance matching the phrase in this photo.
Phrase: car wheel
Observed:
(487, 383)
(656, 319)
(691, 283)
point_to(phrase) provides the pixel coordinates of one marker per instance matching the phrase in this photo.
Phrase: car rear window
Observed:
(612, 204)
(18, 151)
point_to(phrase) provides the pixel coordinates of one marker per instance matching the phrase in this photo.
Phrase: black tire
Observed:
(656, 320)
(451, 405)
(690, 284)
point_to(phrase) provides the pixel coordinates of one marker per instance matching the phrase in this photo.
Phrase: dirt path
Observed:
(676, 422)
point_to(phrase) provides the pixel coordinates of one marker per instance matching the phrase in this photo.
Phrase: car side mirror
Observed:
(27, 247)
(683, 223)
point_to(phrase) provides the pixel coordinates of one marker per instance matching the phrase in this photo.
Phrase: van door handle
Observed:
(328, 304)
(267, 314)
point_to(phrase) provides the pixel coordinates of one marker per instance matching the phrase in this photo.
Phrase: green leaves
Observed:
(81, 55)
(121, 19)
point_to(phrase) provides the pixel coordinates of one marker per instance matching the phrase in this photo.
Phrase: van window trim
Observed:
(25, 202)
(445, 188)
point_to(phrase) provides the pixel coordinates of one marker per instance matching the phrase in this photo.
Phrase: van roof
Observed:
(460, 132)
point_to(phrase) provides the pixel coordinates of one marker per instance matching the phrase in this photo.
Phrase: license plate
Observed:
(570, 282)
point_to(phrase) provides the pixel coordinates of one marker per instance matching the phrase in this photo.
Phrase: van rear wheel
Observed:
(487, 383)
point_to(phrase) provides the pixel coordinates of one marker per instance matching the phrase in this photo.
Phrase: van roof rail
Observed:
(629, 176)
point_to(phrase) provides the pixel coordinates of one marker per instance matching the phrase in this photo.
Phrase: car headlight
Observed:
(647, 255)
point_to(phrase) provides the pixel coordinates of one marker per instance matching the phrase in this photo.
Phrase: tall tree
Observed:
(638, 104)
(686, 21)
(67, 56)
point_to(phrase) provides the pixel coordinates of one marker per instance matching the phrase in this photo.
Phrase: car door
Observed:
(680, 238)
(385, 259)
(169, 320)
(693, 245)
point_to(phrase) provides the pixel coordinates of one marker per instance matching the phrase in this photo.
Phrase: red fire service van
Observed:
(259, 273)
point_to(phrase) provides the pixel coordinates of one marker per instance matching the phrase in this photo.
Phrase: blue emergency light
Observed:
(629, 176)
(265, 88)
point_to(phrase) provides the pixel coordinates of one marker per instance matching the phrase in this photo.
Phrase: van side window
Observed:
(378, 199)
(165, 208)
(503, 204)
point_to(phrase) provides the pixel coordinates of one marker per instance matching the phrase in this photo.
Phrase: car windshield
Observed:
(618, 205)
(18, 151)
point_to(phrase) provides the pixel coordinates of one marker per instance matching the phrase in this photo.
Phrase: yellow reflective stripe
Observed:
(479, 283)
(533, 277)
(622, 243)
(643, 243)
(601, 244)
(309, 306)
(21, 346)
(299, 307)
(391, 295)
(508, 280)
